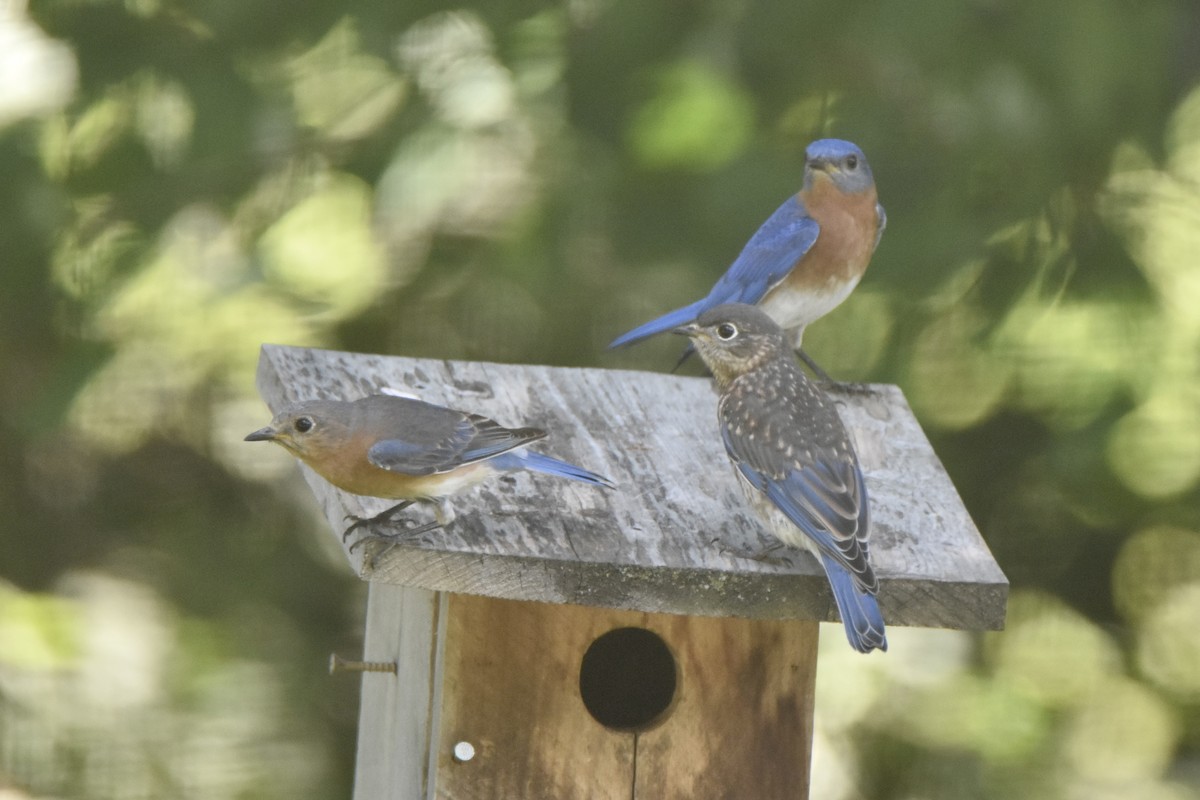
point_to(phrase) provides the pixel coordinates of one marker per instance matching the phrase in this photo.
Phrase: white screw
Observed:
(464, 751)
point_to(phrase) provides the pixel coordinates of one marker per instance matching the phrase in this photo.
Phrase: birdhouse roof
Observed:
(665, 539)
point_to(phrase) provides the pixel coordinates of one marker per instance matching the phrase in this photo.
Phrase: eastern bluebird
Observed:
(807, 257)
(400, 448)
(789, 446)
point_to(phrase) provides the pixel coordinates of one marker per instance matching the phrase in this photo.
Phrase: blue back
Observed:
(767, 258)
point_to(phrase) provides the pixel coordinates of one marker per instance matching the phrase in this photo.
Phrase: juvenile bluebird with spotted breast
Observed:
(400, 448)
(790, 448)
(807, 257)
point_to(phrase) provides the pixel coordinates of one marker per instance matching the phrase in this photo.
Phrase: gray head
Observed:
(313, 429)
(735, 338)
(839, 160)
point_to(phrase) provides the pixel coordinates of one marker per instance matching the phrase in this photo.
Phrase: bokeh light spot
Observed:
(854, 337)
(38, 631)
(1070, 358)
(341, 92)
(697, 120)
(954, 382)
(1169, 641)
(1122, 732)
(452, 55)
(1151, 564)
(1155, 449)
(987, 716)
(1052, 653)
(323, 249)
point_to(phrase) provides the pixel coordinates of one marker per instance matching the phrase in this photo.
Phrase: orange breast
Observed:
(348, 468)
(833, 266)
(848, 227)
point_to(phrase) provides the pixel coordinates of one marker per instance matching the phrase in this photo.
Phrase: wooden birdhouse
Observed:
(562, 641)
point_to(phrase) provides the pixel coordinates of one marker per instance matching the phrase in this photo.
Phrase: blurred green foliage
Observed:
(520, 182)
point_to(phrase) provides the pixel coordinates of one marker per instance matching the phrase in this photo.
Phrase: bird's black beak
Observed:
(820, 164)
(686, 330)
(266, 434)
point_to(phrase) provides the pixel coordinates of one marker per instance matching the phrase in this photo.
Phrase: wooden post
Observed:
(498, 610)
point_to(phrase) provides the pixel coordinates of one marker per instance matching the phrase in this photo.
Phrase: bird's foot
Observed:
(395, 537)
(821, 375)
(357, 522)
(392, 538)
(765, 556)
(848, 387)
(683, 358)
(829, 384)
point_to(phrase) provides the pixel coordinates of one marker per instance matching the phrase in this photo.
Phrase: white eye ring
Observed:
(726, 331)
(303, 424)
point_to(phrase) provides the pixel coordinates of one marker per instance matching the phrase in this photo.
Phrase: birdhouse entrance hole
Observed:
(627, 679)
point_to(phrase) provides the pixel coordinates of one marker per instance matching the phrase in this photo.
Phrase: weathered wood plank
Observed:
(398, 714)
(654, 544)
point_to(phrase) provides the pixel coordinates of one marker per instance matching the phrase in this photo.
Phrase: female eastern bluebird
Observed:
(789, 446)
(404, 449)
(807, 257)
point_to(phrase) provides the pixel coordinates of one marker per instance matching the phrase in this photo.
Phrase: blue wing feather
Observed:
(802, 512)
(444, 443)
(858, 609)
(398, 452)
(523, 459)
(767, 258)
(805, 507)
(408, 458)
(667, 322)
(855, 601)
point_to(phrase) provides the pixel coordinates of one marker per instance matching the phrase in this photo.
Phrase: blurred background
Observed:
(514, 181)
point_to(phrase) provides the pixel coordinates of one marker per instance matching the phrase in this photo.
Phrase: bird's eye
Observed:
(303, 424)
(851, 161)
(726, 331)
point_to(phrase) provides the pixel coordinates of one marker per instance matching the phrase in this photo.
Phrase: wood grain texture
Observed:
(512, 690)
(659, 541)
(740, 725)
(398, 715)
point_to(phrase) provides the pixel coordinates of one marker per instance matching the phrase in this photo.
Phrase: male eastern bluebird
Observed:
(400, 448)
(807, 257)
(789, 446)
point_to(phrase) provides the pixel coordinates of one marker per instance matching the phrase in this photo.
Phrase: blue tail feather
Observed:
(523, 459)
(859, 610)
(668, 321)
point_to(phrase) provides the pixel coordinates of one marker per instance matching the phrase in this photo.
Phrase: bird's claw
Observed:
(386, 515)
(829, 384)
(356, 522)
(394, 538)
(763, 556)
(848, 387)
